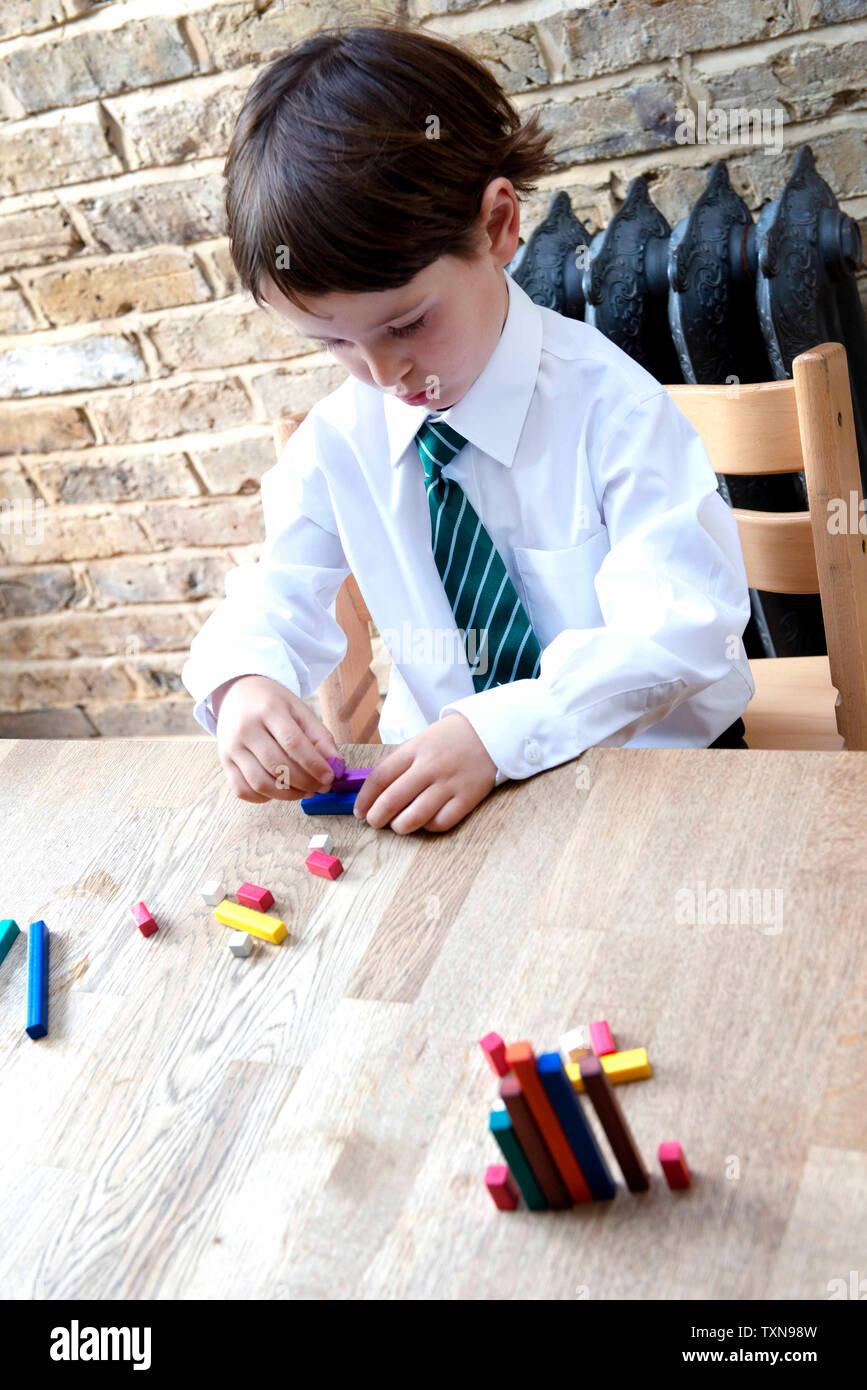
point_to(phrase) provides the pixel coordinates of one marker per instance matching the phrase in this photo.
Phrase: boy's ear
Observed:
(500, 216)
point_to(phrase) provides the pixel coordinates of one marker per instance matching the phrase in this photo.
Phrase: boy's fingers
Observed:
(279, 775)
(387, 770)
(238, 782)
(293, 738)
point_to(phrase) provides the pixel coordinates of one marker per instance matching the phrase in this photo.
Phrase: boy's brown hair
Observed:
(365, 151)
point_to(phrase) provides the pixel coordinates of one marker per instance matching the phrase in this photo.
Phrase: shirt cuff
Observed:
(520, 728)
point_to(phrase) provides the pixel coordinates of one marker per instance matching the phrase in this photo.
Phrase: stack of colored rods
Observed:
(550, 1150)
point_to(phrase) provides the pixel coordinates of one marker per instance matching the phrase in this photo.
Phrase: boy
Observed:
(489, 470)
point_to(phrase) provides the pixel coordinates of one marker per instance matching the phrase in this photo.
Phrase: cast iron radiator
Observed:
(720, 299)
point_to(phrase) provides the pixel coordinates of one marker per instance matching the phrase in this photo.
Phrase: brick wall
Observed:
(138, 387)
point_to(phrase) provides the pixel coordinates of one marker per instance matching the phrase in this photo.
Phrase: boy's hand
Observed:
(271, 745)
(431, 781)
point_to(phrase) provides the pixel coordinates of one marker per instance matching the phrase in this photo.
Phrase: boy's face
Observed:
(427, 341)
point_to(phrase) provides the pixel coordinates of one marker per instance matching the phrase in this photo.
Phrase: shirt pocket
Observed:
(558, 585)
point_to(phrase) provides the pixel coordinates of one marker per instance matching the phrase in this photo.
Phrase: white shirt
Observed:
(599, 496)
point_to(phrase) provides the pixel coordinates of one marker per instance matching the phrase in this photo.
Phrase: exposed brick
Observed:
(623, 120)
(238, 519)
(162, 718)
(128, 631)
(81, 66)
(160, 411)
(837, 11)
(811, 81)
(237, 466)
(157, 676)
(67, 147)
(283, 392)
(16, 316)
(108, 288)
(48, 368)
(225, 334)
(225, 266)
(64, 722)
(15, 484)
(65, 536)
(513, 56)
(26, 685)
(161, 213)
(36, 235)
(607, 37)
(189, 121)
(239, 34)
(426, 9)
(162, 579)
(106, 478)
(40, 429)
(16, 18)
(24, 592)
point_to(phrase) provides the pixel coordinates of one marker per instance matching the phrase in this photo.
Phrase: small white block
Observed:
(323, 842)
(243, 946)
(213, 891)
(576, 1044)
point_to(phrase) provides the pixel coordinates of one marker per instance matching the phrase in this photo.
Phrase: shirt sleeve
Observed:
(276, 619)
(673, 594)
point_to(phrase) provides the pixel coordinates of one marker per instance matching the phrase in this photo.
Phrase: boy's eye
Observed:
(331, 343)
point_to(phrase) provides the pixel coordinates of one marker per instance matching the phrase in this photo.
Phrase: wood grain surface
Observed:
(312, 1122)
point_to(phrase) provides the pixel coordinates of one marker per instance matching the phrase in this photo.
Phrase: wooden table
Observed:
(312, 1121)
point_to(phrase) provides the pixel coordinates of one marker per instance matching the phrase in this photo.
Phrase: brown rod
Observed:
(613, 1121)
(535, 1149)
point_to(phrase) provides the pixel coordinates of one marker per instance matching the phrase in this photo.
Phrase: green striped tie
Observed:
(477, 583)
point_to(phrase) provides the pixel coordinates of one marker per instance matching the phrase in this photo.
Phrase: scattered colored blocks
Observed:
(503, 1131)
(600, 1039)
(501, 1185)
(243, 947)
(143, 920)
(323, 842)
(252, 896)
(619, 1066)
(352, 780)
(9, 930)
(613, 1121)
(329, 804)
(537, 1153)
(495, 1050)
(578, 1133)
(674, 1165)
(325, 865)
(37, 980)
(522, 1061)
(576, 1044)
(337, 765)
(246, 919)
(213, 892)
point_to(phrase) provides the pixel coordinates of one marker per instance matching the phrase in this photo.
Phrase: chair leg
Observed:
(349, 697)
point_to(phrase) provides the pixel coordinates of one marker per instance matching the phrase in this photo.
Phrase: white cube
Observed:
(213, 891)
(243, 946)
(576, 1044)
(323, 842)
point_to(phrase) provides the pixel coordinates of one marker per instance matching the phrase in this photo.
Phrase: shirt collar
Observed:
(491, 414)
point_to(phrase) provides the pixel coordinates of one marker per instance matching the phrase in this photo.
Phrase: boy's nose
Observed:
(385, 372)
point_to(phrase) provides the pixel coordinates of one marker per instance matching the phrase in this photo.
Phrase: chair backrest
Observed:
(784, 427)
(349, 696)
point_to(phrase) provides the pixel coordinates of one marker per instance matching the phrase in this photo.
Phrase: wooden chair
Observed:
(817, 702)
(349, 697)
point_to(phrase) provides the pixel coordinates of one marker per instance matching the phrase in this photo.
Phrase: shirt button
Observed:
(532, 751)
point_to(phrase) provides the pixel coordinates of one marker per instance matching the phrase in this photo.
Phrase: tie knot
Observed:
(438, 443)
